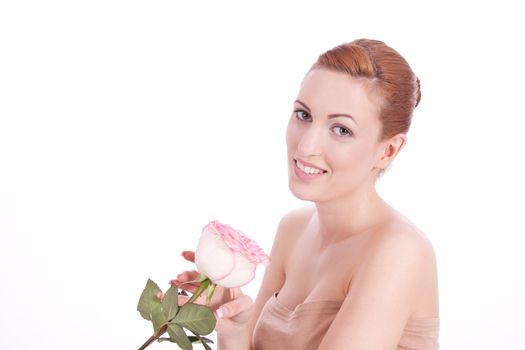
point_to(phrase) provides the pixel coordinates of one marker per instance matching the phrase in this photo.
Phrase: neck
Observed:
(348, 216)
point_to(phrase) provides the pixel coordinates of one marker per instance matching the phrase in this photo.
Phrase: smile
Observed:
(308, 169)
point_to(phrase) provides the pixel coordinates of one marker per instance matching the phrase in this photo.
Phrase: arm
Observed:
(382, 295)
(287, 232)
(273, 280)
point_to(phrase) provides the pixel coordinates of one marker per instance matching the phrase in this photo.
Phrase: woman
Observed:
(349, 272)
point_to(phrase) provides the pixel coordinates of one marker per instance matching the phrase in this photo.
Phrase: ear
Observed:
(388, 150)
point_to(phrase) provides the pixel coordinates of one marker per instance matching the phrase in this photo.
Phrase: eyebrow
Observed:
(330, 115)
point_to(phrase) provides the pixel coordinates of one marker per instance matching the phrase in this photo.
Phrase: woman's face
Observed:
(332, 137)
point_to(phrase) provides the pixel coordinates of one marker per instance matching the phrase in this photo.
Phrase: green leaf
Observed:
(157, 318)
(197, 318)
(203, 341)
(161, 339)
(170, 303)
(178, 336)
(194, 339)
(149, 299)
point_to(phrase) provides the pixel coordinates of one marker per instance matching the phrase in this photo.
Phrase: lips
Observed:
(308, 168)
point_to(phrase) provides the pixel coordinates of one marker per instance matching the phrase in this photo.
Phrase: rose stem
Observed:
(199, 291)
(155, 336)
(203, 286)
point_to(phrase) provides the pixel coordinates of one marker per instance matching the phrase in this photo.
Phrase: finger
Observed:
(189, 287)
(182, 281)
(182, 299)
(188, 255)
(235, 308)
(235, 293)
(185, 276)
(227, 325)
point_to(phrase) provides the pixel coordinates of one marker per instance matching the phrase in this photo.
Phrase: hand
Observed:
(232, 308)
(220, 296)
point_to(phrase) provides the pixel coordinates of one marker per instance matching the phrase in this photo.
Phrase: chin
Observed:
(304, 193)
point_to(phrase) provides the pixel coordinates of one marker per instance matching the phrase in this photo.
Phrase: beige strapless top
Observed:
(304, 328)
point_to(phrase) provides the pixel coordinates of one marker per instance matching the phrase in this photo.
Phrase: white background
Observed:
(126, 126)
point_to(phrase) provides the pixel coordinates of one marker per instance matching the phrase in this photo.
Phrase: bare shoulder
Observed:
(395, 281)
(290, 227)
(297, 218)
(400, 247)
(400, 237)
(402, 240)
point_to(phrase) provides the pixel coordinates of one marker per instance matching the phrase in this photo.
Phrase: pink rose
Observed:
(227, 257)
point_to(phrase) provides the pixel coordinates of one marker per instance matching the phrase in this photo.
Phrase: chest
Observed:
(320, 274)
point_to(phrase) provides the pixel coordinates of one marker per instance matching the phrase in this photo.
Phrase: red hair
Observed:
(389, 73)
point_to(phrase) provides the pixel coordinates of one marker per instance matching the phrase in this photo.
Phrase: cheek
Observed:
(353, 158)
(292, 136)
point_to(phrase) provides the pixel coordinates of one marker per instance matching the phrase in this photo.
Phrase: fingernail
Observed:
(220, 312)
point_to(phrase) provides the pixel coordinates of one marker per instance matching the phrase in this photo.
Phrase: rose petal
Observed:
(242, 273)
(239, 242)
(213, 257)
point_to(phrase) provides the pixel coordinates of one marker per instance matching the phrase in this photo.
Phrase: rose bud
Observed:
(227, 256)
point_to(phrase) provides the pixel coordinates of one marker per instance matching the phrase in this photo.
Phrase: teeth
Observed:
(307, 169)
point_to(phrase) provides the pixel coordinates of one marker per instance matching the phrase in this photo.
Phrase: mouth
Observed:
(308, 168)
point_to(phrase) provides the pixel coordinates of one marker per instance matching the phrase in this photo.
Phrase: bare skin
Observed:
(326, 278)
(350, 245)
(292, 261)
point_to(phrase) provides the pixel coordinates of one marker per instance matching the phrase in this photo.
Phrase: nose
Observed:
(311, 141)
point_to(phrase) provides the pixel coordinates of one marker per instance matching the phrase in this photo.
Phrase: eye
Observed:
(341, 131)
(302, 115)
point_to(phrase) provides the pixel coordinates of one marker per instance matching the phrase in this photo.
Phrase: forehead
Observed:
(326, 92)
